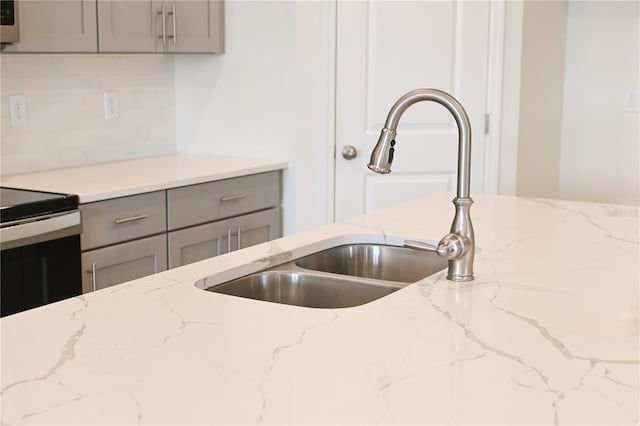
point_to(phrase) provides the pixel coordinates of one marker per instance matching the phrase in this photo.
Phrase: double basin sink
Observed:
(339, 277)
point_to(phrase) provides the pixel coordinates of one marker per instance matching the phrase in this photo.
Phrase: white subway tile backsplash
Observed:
(65, 97)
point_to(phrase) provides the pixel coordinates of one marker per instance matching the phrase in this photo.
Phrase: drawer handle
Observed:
(233, 197)
(130, 219)
(229, 235)
(173, 16)
(92, 271)
(163, 37)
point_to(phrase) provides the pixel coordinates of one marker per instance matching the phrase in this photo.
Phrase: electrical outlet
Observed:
(111, 107)
(18, 110)
(631, 101)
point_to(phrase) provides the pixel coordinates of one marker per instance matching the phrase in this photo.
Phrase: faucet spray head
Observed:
(382, 154)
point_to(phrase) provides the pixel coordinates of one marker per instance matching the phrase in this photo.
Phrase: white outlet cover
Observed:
(111, 106)
(18, 110)
(631, 101)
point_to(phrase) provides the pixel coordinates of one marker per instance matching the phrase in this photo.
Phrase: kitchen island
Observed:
(548, 333)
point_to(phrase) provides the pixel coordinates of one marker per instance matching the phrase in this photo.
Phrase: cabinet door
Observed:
(186, 26)
(255, 228)
(195, 26)
(197, 243)
(213, 239)
(56, 26)
(130, 26)
(123, 262)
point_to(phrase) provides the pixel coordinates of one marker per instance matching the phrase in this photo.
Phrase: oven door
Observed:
(40, 262)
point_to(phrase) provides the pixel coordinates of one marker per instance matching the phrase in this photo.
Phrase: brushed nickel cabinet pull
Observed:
(173, 18)
(130, 219)
(233, 197)
(93, 276)
(164, 25)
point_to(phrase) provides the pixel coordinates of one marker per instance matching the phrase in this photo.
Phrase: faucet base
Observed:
(461, 268)
(460, 278)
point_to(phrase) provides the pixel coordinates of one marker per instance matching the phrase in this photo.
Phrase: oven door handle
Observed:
(36, 231)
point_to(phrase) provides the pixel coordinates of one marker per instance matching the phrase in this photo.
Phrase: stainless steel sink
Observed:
(302, 289)
(339, 277)
(382, 262)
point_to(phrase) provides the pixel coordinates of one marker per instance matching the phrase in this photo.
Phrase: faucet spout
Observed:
(460, 261)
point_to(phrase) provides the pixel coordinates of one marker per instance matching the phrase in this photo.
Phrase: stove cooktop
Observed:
(17, 204)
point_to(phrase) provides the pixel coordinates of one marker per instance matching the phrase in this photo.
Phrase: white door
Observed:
(385, 49)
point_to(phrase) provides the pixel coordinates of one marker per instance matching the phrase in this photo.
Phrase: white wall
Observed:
(66, 125)
(541, 91)
(510, 103)
(601, 141)
(269, 96)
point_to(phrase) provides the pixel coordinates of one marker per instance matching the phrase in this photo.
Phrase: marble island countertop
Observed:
(546, 334)
(99, 182)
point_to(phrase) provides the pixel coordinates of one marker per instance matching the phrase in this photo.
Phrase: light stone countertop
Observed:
(546, 334)
(118, 179)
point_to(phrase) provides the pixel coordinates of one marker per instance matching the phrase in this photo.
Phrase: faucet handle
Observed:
(420, 245)
(451, 246)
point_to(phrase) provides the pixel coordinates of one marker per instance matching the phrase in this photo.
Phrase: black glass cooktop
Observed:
(16, 204)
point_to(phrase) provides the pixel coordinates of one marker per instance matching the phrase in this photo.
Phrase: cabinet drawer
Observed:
(123, 262)
(120, 219)
(196, 204)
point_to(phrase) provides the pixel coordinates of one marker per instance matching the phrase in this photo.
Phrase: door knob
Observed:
(349, 152)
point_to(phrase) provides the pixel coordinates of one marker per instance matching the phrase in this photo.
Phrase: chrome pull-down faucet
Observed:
(458, 246)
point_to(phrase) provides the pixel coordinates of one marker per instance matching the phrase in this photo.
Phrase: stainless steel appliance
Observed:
(9, 25)
(39, 248)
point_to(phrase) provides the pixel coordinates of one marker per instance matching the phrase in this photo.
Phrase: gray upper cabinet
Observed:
(120, 26)
(129, 26)
(181, 26)
(195, 26)
(56, 26)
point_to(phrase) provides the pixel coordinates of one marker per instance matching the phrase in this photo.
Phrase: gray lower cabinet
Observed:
(123, 262)
(129, 237)
(213, 239)
(56, 26)
(123, 239)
